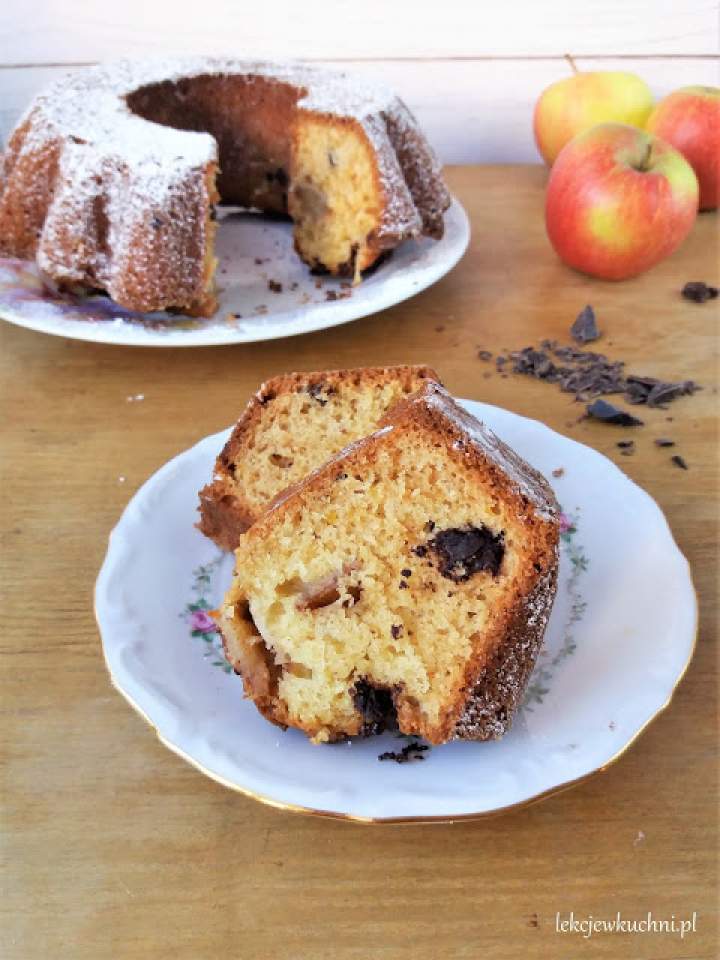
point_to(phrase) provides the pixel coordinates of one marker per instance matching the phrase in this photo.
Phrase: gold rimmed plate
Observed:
(619, 640)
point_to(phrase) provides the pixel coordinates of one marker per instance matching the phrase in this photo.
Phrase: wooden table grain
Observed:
(115, 848)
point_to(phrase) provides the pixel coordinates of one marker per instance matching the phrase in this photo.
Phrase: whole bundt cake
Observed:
(111, 177)
(410, 576)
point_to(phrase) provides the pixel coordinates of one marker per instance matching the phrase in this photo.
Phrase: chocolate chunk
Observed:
(396, 630)
(376, 706)
(316, 389)
(607, 413)
(406, 572)
(463, 552)
(679, 461)
(625, 444)
(585, 328)
(699, 292)
(664, 442)
(420, 551)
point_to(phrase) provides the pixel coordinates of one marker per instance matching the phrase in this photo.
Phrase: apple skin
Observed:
(583, 100)
(689, 120)
(618, 201)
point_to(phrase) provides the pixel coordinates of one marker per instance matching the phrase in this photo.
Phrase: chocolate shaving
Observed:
(410, 752)
(607, 413)
(585, 328)
(699, 292)
(679, 461)
(664, 442)
(588, 375)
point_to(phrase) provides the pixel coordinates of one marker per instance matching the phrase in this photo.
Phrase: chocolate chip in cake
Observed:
(430, 526)
(375, 705)
(420, 550)
(396, 631)
(699, 292)
(403, 585)
(679, 461)
(608, 413)
(585, 328)
(664, 442)
(406, 572)
(281, 461)
(465, 551)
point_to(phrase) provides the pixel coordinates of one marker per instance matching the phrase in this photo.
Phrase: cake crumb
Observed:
(274, 286)
(559, 472)
(410, 752)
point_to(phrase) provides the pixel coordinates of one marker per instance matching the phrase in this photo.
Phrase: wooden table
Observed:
(115, 848)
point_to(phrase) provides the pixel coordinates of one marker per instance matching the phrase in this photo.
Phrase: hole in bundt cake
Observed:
(464, 551)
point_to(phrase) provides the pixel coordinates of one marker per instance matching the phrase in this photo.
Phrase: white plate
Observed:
(620, 638)
(253, 252)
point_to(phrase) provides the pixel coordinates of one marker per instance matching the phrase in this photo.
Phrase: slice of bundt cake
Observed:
(110, 178)
(414, 573)
(292, 425)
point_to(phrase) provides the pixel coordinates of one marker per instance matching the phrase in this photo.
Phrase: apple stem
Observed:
(572, 63)
(645, 162)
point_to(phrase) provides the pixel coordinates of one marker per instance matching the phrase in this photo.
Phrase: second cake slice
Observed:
(292, 425)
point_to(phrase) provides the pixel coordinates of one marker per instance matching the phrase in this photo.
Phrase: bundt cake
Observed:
(411, 576)
(111, 177)
(293, 424)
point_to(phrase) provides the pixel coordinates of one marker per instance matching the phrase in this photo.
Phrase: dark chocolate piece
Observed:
(664, 442)
(585, 328)
(607, 413)
(679, 461)
(376, 706)
(463, 552)
(699, 292)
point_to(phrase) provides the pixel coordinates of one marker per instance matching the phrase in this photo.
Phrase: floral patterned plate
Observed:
(265, 291)
(620, 638)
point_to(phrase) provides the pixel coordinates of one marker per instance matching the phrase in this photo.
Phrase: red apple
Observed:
(618, 201)
(689, 119)
(576, 103)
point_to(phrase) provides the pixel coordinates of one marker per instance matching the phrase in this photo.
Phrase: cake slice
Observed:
(292, 425)
(411, 577)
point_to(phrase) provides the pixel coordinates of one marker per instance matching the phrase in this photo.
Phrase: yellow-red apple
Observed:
(583, 100)
(618, 201)
(689, 120)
